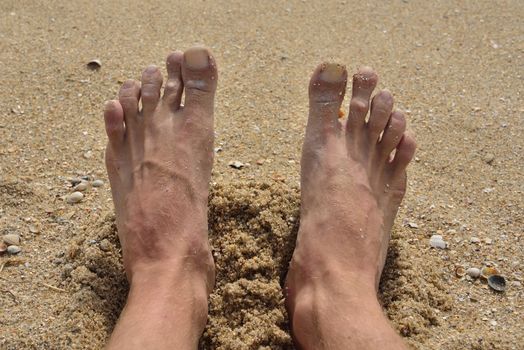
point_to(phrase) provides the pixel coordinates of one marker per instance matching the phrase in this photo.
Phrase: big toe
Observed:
(199, 75)
(327, 88)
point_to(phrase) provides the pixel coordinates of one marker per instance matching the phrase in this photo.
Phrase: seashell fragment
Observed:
(460, 271)
(497, 282)
(94, 64)
(488, 271)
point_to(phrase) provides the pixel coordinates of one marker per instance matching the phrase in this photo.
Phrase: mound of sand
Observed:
(253, 228)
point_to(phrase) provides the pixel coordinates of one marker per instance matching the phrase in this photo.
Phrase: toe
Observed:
(174, 86)
(128, 97)
(364, 82)
(327, 88)
(114, 122)
(404, 152)
(381, 108)
(392, 134)
(199, 75)
(150, 90)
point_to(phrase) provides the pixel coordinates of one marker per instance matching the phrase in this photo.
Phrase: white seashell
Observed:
(98, 183)
(473, 272)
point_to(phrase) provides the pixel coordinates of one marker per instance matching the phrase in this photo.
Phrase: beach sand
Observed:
(454, 67)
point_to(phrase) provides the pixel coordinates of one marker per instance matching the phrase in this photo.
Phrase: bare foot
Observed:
(159, 161)
(351, 189)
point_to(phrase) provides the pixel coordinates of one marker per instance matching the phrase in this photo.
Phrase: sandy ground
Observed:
(455, 68)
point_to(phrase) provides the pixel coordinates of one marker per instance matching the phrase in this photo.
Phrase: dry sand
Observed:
(454, 67)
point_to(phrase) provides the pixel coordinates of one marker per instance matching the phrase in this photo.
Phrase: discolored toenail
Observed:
(197, 58)
(332, 72)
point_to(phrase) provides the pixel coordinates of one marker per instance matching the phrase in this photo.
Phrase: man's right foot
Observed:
(352, 183)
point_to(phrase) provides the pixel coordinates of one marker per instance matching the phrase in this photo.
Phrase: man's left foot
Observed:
(159, 160)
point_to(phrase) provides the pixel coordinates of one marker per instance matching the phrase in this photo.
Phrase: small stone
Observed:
(88, 154)
(75, 197)
(474, 240)
(488, 158)
(11, 239)
(236, 164)
(488, 190)
(3, 247)
(98, 183)
(82, 186)
(412, 225)
(488, 240)
(493, 323)
(104, 245)
(34, 229)
(260, 161)
(473, 272)
(436, 241)
(14, 249)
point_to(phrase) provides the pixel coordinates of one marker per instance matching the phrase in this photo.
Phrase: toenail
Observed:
(332, 72)
(197, 58)
(151, 69)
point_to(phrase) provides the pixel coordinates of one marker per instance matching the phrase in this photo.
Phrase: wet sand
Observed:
(454, 68)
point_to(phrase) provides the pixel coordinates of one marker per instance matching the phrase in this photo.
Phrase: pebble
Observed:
(14, 249)
(82, 186)
(75, 197)
(489, 158)
(3, 247)
(88, 154)
(98, 183)
(473, 272)
(436, 241)
(412, 225)
(474, 240)
(104, 245)
(11, 239)
(236, 164)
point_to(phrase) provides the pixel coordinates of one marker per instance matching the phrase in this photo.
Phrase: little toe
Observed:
(150, 90)
(128, 97)
(174, 85)
(327, 88)
(392, 134)
(199, 75)
(364, 82)
(381, 108)
(114, 122)
(404, 153)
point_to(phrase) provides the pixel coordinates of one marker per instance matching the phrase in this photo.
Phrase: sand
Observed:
(455, 68)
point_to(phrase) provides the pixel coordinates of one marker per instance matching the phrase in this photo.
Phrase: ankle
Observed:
(321, 319)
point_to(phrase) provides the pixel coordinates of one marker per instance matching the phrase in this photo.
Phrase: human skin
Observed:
(159, 161)
(351, 189)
